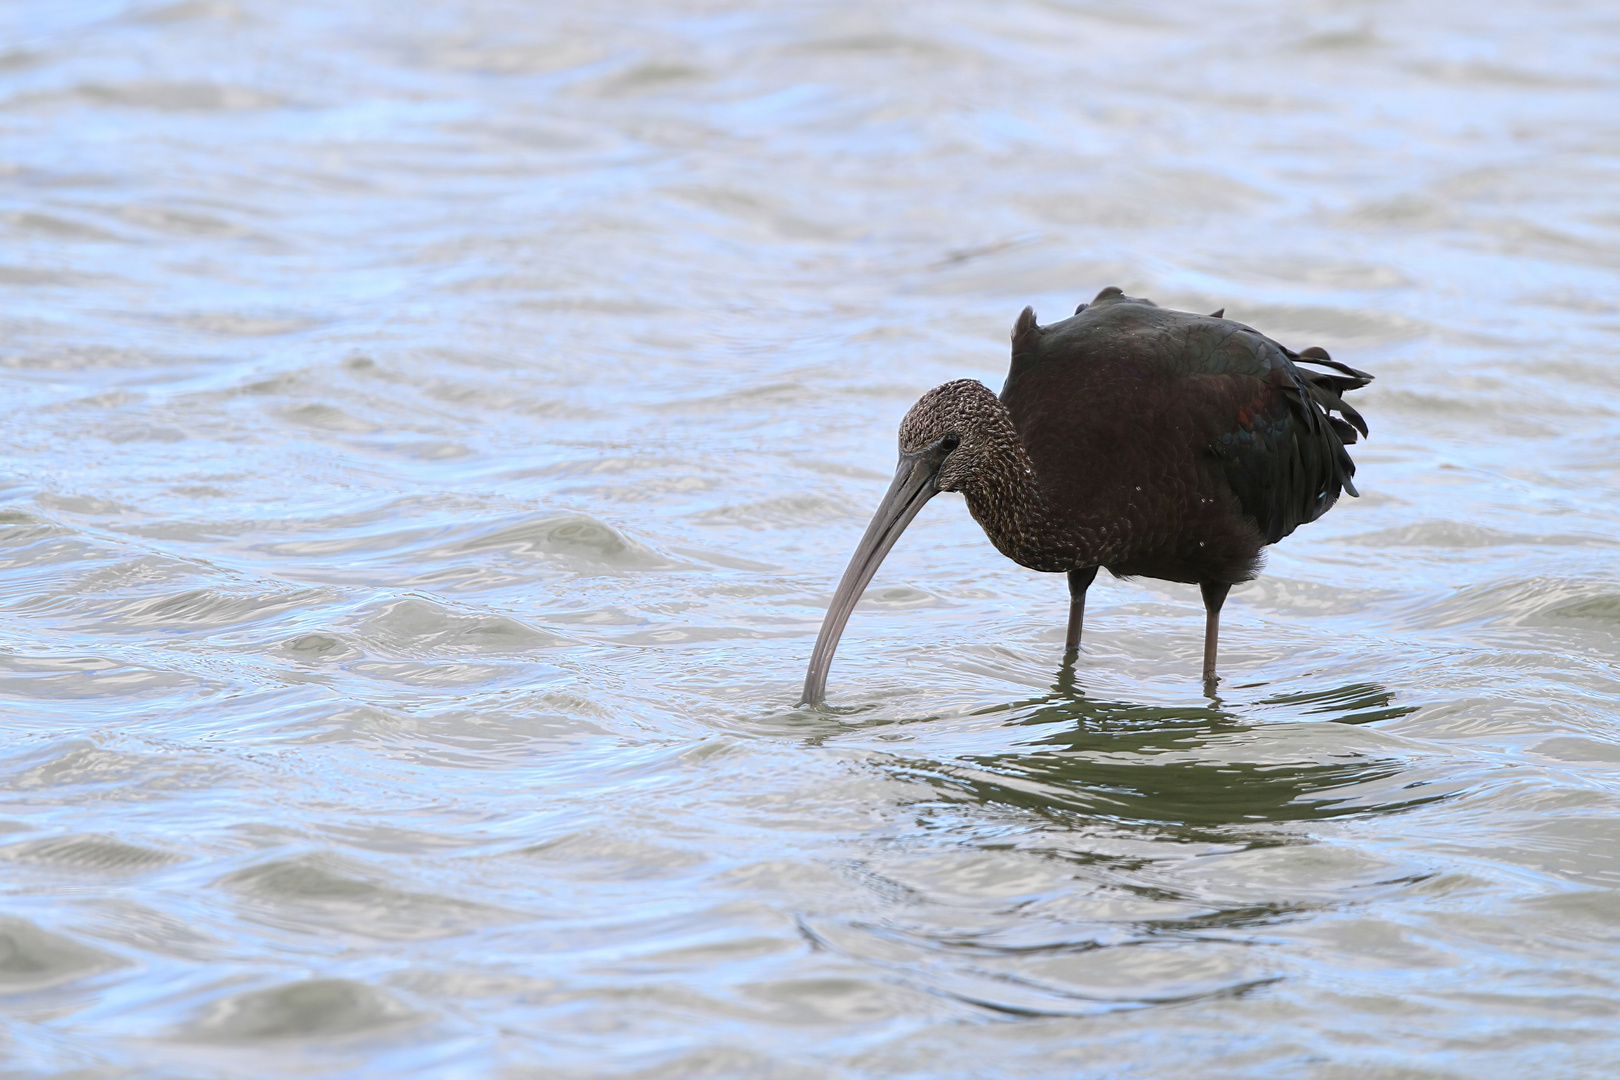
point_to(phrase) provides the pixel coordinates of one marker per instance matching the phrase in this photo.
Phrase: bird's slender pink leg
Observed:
(1214, 596)
(1079, 582)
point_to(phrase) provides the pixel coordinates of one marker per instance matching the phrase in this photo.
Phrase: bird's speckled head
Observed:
(958, 437)
(962, 423)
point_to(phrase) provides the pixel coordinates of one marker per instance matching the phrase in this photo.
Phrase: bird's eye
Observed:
(951, 441)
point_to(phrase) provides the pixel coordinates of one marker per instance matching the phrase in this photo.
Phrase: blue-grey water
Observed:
(431, 434)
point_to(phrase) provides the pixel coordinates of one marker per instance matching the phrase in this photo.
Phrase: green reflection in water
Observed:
(1190, 768)
(1355, 703)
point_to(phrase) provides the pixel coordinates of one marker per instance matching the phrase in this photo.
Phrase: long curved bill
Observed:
(913, 486)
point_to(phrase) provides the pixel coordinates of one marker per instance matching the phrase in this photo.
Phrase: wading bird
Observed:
(1152, 442)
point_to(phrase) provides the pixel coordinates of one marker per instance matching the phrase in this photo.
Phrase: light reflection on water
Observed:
(434, 433)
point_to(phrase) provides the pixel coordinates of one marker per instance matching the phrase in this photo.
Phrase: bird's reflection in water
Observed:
(1196, 768)
(1103, 854)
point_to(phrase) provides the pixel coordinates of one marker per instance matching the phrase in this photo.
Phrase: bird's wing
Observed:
(1269, 420)
(1236, 394)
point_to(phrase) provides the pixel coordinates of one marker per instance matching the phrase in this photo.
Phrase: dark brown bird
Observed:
(1151, 442)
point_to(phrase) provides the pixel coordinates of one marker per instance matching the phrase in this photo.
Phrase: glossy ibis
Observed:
(1152, 442)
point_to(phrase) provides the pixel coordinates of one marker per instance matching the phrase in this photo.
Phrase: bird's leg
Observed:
(1079, 582)
(1214, 596)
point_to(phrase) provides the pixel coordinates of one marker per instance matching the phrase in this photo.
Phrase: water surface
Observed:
(433, 432)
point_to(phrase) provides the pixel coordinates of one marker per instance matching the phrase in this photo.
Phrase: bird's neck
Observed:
(1004, 496)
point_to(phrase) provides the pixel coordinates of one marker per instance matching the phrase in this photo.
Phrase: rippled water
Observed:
(433, 433)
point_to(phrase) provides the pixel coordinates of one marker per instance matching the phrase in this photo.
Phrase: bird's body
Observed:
(1167, 444)
(1131, 437)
